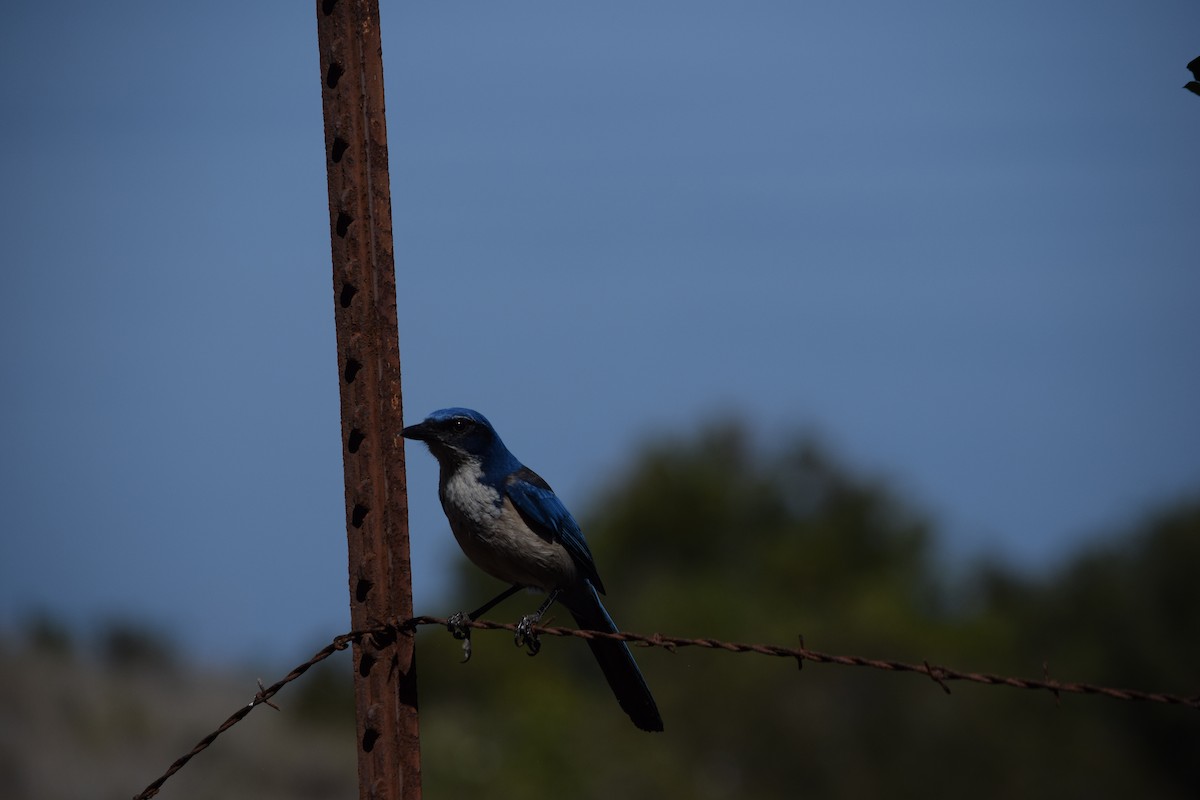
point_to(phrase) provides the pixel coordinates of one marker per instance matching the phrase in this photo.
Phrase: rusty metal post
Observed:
(364, 288)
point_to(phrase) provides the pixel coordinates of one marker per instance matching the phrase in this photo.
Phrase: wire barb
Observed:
(262, 697)
(935, 673)
(1051, 684)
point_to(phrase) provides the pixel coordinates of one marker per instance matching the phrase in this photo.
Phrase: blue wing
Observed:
(542, 511)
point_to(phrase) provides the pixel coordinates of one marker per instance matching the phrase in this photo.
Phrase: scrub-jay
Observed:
(512, 525)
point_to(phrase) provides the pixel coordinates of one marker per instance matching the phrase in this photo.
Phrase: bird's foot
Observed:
(457, 625)
(526, 637)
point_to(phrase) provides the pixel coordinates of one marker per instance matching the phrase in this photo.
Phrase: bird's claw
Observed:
(457, 625)
(526, 637)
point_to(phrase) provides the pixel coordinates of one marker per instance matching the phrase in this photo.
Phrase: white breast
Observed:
(496, 539)
(464, 495)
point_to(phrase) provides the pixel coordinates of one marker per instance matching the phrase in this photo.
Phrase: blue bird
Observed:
(510, 523)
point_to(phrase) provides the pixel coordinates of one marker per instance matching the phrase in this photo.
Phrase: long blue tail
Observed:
(615, 660)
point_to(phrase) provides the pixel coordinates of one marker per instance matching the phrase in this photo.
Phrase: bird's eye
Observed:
(458, 424)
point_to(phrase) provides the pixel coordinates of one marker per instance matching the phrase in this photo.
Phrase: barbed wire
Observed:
(938, 674)
(261, 697)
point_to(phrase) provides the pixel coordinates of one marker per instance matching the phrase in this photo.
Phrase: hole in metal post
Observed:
(362, 590)
(347, 294)
(327, 7)
(370, 735)
(358, 515)
(343, 222)
(352, 368)
(355, 440)
(335, 73)
(365, 664)
(339, 148)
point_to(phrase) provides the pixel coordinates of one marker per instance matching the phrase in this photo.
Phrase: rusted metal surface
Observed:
(364, 291)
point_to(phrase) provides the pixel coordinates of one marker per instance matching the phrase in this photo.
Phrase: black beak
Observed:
(420, 432)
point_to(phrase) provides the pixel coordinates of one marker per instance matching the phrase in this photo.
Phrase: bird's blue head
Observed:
(457, 435)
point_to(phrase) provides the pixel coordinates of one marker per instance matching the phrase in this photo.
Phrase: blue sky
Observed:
(957, 241)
